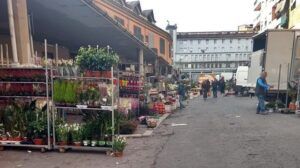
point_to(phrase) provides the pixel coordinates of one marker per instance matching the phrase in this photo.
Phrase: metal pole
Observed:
(56, 55)
(7, 59)
(47, 93)
(279, 82)
(12, 32)
(1, 53)
(112, 110)
(287, 90)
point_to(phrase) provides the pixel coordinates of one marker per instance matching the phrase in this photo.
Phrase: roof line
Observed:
(90, 4)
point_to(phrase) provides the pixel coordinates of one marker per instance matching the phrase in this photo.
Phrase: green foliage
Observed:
(94, 59)
(119, 144)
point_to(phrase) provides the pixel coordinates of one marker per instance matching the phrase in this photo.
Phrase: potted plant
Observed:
(39, 131)
(86, 132)
(76, 133)
(63, 134)
(119, 145)
(93, 60)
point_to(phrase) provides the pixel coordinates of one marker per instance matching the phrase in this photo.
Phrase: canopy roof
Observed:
(76, 23)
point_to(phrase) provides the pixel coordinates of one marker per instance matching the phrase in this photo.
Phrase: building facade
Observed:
(212, 52)
(276, 14)
(141, 24)
(294, 21)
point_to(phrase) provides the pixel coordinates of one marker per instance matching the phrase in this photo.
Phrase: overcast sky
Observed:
(201, 15)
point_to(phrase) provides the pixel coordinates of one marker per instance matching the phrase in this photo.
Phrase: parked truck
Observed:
(277, 53)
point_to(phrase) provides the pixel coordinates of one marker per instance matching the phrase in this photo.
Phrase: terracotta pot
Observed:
(292, 106)
(118, 154)
(38, 141)
(77, 143)
(18, 139)
(62, 143)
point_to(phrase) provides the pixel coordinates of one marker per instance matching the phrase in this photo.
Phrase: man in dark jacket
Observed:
(222, 85)
(214, 85)
(261, 90)
(181, 93)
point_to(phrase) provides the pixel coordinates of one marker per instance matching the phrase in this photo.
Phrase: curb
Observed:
(148, 133)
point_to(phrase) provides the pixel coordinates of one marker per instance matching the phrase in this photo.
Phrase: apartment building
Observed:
(294, 21)
(212, 52)
(276, 14)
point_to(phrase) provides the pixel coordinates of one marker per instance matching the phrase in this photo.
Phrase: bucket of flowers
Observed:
(119, 145)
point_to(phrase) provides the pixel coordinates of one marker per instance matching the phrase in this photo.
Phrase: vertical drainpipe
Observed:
(12, 32)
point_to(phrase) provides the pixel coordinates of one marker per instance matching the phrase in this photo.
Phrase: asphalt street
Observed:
(218, 133)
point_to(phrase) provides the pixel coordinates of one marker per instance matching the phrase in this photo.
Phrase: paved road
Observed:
(226, 133)
(222, 133)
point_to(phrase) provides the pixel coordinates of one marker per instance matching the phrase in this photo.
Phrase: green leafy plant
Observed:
(62, 132)
(119, 144)
(76, 132)
(94, 59)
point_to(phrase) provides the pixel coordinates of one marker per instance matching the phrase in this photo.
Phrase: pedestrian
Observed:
(222, 85)
(214, 85)
(181, 93)
(205, 88)
(261, 90)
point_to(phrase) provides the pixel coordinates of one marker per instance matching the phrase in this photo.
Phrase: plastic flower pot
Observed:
(94, 143)
(86, 142)
(101, 143)
(38, 141)
(77, 143)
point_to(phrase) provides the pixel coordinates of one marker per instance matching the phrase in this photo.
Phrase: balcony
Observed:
(257, 5)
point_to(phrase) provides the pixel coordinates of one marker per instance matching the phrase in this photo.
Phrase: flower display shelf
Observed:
(60, 112)
(23, 79)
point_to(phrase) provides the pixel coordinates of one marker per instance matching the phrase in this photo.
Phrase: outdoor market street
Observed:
(220, 133)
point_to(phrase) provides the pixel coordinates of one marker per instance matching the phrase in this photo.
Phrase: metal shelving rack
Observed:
(138, 75)
(47, 146)
(63, 148)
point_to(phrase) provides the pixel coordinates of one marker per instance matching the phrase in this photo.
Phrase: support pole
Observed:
(56, 55)
(7, 59)
(47, 93)
(1, 53)
(141, 63)
(12, 32)
(279, 79)
(287, 90)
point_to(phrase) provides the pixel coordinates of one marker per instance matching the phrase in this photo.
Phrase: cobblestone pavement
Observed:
(218, 133)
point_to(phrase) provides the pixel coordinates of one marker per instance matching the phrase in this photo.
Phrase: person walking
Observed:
(214, 85)
(181, 93)
(205, 88)
(261, 90)
(222, 85)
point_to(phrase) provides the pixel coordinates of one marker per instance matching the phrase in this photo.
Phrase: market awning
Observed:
(76, 23)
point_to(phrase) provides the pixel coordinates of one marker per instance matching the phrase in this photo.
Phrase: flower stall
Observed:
(84, 105)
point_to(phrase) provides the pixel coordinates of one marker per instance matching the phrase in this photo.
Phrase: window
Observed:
(215, 41)
(207, 41)
(120, 20)
(230, 41)
(223, 40)
(199, 41)
(151, 40)
(137, 31)
(162, 46)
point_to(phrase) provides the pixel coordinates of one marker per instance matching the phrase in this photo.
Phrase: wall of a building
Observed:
(213, 54)
(264, 17)
(294, 22)
(131, 21)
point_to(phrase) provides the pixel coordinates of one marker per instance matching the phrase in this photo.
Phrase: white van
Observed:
(241, 80)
